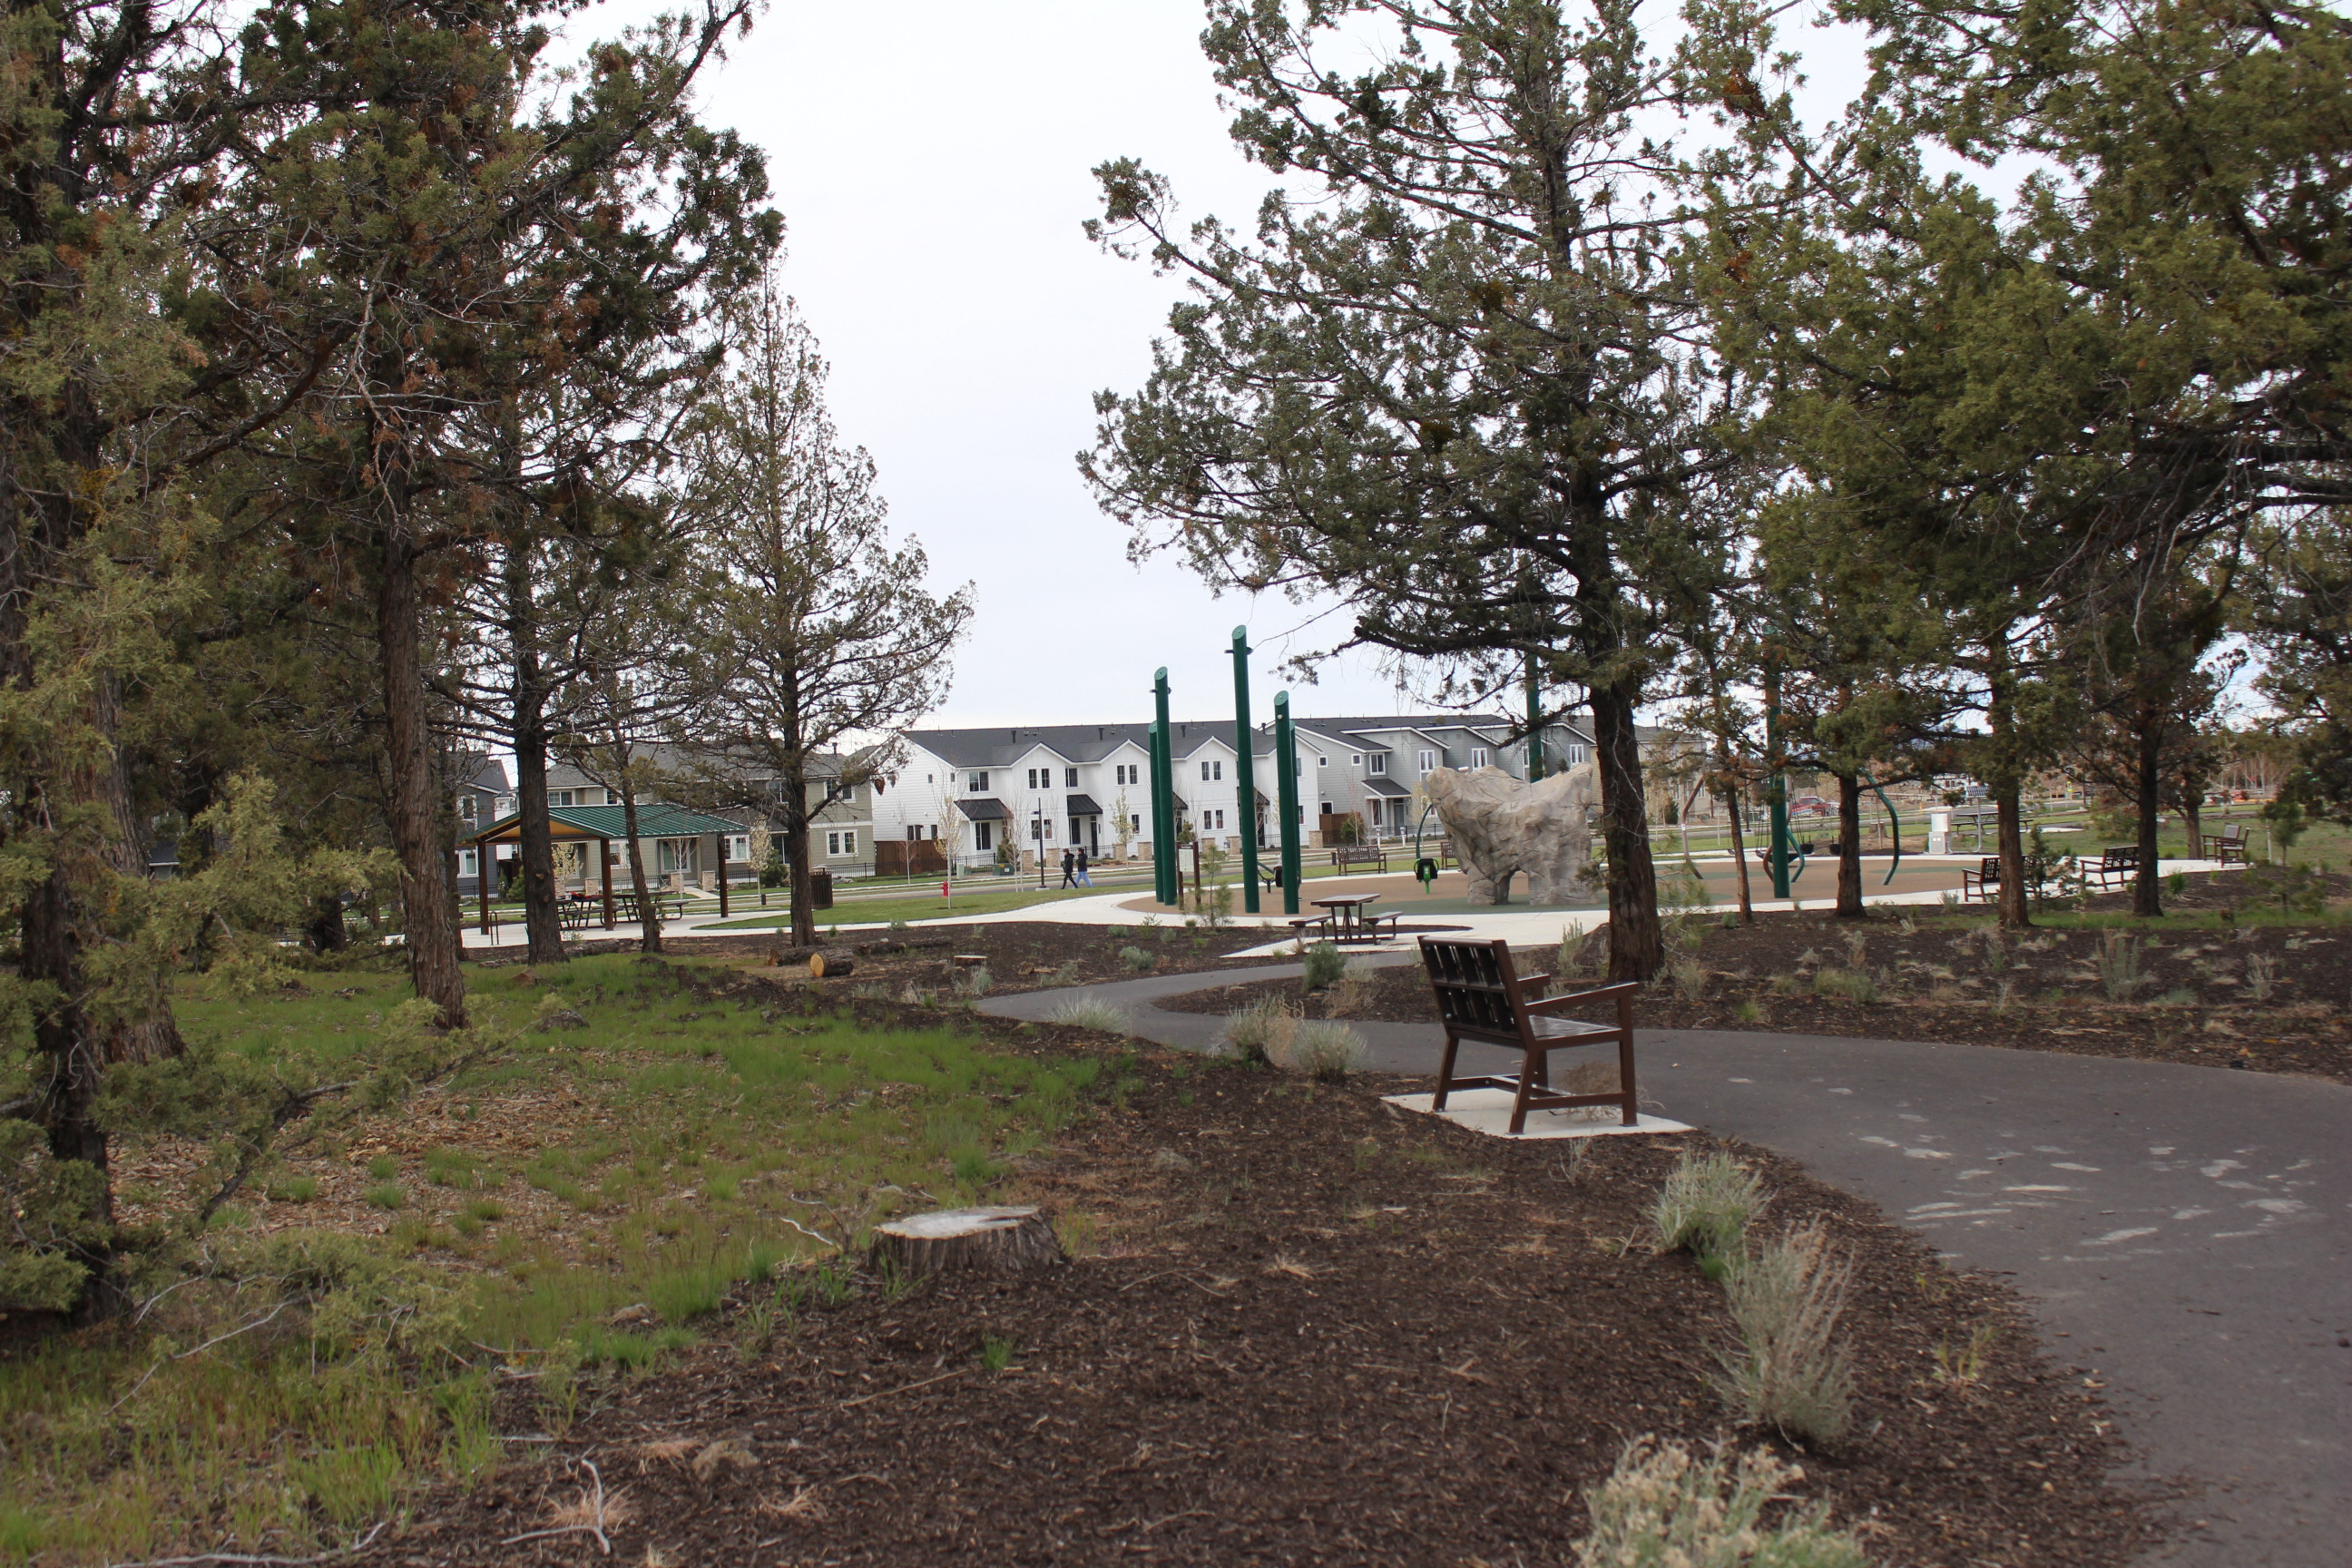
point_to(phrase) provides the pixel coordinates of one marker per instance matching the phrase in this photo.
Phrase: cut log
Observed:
(968, 960)
(786, 955)
(983, 1241)
(832, 962)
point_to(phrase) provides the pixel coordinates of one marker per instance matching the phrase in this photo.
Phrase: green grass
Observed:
(712, 1135)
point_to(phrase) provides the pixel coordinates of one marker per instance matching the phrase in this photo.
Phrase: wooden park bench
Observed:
(1348, 854)
(2115, 867)
(2228, 847)
(1483, 1000)
(1984, 883)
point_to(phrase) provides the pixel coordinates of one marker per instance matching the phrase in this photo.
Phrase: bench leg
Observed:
(1530, 1068)
(1445, 1071)
(1628, 1115)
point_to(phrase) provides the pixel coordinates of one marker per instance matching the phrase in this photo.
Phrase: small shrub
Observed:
(1324, 965)
(294, 1190)
(2120, 972)
(1705, 1206)
(1324, 1051)
(1787, 1370)
(973, 982)
(1964, 1367)
(387, 1196)
(1067, 975)
(1689, 976)
(1255, 1032)
(384, 1167)
(2261, 977)
(1138, 959)
(1662, 1506)
(1354, 992)
(1075, 1229)
(1748, 1012)
(1852, 984)
(1092, 1013)
(996, 1353)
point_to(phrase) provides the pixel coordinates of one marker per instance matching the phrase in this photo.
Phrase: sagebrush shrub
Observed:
(1321, 1050)
(1787, 1369)
(1663, 1508)
(1092, 1013)
(1253, 1032)
(1705, 1206)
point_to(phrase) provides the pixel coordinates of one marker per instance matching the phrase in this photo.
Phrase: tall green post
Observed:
(1286, 798)
(1534, 723)
(1775, 782)
(1158, 826)
(1163, 790)
(1245, 769)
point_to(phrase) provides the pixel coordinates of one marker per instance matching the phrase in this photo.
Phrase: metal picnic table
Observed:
(1349, 920)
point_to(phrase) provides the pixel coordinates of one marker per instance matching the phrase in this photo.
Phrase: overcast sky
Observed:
(931, 160)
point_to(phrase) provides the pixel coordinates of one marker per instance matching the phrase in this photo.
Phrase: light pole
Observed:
(1286, 798)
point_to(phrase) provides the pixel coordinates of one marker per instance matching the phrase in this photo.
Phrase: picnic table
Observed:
(1349, 920)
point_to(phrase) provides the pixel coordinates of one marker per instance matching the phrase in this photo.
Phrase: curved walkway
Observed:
(2183, 1230)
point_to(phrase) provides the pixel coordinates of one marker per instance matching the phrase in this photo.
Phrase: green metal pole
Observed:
(1534, 723)
(1286, 798)
(1163, 790)
(1776, 784)
(1245, 769)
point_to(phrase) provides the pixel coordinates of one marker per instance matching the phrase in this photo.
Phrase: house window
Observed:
(1427, 761)
(1358, 761)
(1032, 778)
(559, 797)
(1135, 822)
(1322, 762)
(1069, 778)
(982, 835)
(738, 846)
(1379, 761)
(1213, 819)
(464, 808)
(1477, 756)
(1326, 807)
(978, 782)
(1211, 771)
(465, 862)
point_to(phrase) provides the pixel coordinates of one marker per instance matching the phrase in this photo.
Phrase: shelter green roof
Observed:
(655, 820)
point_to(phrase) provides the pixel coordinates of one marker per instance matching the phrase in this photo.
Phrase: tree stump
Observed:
(832, 962)
(982, 1241)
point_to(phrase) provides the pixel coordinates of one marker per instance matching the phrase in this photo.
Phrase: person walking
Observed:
(1085, 880)
(1070, 869)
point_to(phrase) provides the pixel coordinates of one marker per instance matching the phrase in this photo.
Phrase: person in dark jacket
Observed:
(1084, 879)
(1070, 869)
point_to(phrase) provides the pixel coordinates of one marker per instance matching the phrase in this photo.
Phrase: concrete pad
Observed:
(1488, 1111)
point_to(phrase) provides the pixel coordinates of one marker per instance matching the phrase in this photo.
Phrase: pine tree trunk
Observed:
(648, 908)
(1739, 859)
(431, 932)
(1849, 894)
(1636, 946)
(2016, 898)
(543, 925)
(792, 783)
(2146, 886)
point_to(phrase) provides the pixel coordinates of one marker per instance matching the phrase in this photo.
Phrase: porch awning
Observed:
(1083, 806)
(1389, 787)
(988, 808)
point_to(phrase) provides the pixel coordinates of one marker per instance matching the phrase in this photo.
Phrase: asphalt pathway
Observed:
(2183, 1230)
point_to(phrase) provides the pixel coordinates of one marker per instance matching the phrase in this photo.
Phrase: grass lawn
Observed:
(573, 1201)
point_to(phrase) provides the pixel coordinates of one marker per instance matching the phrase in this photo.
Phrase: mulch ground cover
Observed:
(1308, 1327)
(2270, 998)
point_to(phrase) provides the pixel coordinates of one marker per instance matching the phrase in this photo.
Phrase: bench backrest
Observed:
(2235, 833)
(1988, 868)
(2121, 854)
(1476, 988)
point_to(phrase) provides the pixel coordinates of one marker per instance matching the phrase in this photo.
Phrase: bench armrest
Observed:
(1603, 993)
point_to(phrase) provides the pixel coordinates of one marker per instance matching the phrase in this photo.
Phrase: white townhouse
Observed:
(1088, 785)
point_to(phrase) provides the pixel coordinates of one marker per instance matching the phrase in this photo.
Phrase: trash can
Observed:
(821, 890)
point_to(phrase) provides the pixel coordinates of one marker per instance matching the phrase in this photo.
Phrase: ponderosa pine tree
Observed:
(814, 630)
(1459, 381)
